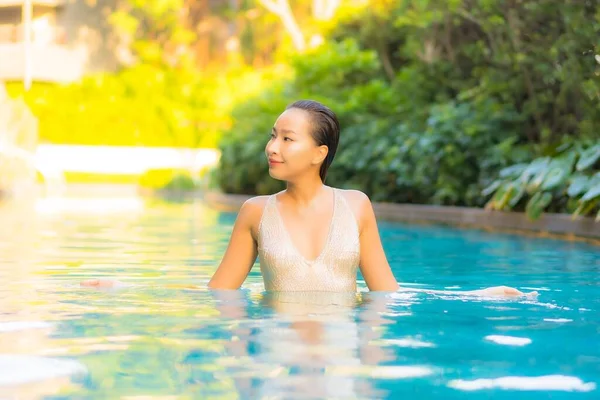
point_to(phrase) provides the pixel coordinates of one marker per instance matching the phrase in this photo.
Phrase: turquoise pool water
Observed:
(158, 339)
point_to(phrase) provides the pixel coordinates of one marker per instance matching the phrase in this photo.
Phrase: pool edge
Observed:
(561, 226)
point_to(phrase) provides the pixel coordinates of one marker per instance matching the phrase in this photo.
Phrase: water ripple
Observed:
(164, 335)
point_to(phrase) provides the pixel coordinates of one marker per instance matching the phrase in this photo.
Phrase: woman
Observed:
(308, 237)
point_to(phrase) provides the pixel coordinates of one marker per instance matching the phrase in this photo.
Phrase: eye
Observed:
(287, 139)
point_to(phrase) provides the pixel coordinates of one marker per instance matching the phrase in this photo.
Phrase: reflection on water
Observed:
(167, 336)
(311, 344)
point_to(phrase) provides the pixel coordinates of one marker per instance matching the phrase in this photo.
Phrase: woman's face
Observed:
(292, 150)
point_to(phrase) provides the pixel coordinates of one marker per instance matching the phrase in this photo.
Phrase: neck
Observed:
(304, 190)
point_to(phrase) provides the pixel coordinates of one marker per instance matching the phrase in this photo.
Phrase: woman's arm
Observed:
(373, 261)
(376, 270)
(242, 249)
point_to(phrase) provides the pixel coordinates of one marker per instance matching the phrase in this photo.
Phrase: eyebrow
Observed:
(284, 130)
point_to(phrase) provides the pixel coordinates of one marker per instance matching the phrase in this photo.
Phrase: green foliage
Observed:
(538, 56)
(159, 31)
(217, 35)
(243, 163)
(444, 157)
(446, 162)
(568, 180)
(242, 166)
(143, 106)
(435, 98)
(168, 180)
(441, 102)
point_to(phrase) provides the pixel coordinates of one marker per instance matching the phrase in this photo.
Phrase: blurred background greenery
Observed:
(453, 102)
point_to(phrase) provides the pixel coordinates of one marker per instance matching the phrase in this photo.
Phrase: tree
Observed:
(322, 10)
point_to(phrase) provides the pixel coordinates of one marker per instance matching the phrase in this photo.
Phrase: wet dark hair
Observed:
(326, 129)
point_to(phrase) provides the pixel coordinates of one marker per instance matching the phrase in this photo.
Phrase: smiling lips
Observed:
(274, 162)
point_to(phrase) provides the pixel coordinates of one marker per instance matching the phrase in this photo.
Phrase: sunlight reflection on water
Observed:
(158, 337)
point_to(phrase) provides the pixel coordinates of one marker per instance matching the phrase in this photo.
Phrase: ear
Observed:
(320, 154)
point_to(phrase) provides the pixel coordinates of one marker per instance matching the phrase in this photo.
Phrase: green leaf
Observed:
(588, 157)
(513, 171)
(579, 184)
(584, 208)
(555, 177)
(592, 193)
(536, 205)
(518, 195)
(498, 196)
(491, 188)
(536, 182)
(595, 180)
(536, 168)
(508, 195)
(566, 160)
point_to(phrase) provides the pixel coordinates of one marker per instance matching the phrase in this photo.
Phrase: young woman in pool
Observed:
(309, 237)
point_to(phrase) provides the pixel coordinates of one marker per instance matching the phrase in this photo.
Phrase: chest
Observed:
(308, 233)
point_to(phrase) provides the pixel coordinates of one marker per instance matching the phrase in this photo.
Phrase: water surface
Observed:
(161, 339)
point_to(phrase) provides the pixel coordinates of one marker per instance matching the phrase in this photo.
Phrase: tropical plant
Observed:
(570, 181)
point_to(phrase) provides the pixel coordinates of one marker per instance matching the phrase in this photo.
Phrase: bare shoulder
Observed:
(256, 202)
(355, 197)
(252, 210)
(359, 203)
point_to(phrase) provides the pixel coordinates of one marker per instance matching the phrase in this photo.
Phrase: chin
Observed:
(275, 175)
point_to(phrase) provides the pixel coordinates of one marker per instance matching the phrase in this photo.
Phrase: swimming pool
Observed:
(158, 339)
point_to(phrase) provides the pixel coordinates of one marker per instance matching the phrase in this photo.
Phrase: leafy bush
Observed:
(539, 56)
(435, 98)
(141, 106)
(168, 179)
(449, 162)
(568, 181)
(243, 165)
(444, 156)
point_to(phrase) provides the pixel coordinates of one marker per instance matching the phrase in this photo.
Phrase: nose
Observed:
(272, 146)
